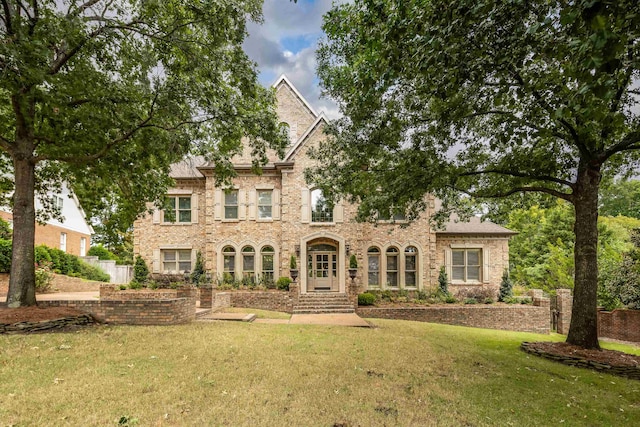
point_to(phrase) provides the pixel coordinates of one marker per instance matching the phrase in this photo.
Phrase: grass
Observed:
(233, 373)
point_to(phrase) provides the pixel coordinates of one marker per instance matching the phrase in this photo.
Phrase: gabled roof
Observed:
(284, 79)
(187, 168)
(321, 118)
(475, 225)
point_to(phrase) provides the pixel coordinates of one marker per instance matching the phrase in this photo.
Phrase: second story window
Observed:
(265, 204)
(231, 204)
(177, 209)
(321, 209)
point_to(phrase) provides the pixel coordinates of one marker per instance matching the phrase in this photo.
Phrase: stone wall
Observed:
(564, 306)
(522, 318)
(619, 324)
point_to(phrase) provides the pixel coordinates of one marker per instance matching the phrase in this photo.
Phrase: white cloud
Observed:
(300, 24)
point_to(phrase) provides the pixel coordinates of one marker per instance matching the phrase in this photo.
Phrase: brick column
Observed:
(565, 303)
(206, 296)
(353, 291)
(294, 293)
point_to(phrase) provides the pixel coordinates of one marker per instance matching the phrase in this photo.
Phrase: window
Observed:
(465, 265)
(392, 267)
(321, 209)
(373, 264)
(265, 204)
(410, 258)
(248, 262)
(396, 217)
(63, 242)
(176, 260)
(231, 204)
(83, 246)
(229, 261)
(177, 209)
(267, 264)
(58, 202)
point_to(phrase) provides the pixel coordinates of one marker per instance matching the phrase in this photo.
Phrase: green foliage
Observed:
(198, 274)
(506, 287)
(470, 301)
(283, 283)
(41, 254)
(134, 284)
(621, 197)
(101, 252)
(353, 261)
(443, 281)
(5, 256)
(450, 299)
(293, 265)
(621, 288)
(90, 272)
(5, 230)
(366, 298)
(140, 270)
(122, 287)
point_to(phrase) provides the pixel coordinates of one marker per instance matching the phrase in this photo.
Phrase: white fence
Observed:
(117, 273)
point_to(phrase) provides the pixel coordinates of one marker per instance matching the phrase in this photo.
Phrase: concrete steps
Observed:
(317, 303)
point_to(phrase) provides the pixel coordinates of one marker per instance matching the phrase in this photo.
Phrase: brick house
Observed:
(252, 229)
(71, 234)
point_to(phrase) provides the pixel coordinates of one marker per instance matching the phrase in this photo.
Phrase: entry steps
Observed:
(314, 303)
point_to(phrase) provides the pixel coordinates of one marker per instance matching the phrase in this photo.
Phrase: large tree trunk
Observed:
(583, 331)
(22, 284)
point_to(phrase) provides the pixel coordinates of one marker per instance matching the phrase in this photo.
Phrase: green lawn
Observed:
(234, 373)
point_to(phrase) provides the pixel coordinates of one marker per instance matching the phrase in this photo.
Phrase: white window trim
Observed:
(177, 202)
(484, 263)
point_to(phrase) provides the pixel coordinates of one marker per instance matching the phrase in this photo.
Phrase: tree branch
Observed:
(625, 144)
(7, 13)
(500, 195)
(520, 175)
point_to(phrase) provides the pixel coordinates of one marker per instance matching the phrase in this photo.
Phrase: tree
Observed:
(506, 287)
(140, 270)
(106, 94)
(622, 197)
(484, 99)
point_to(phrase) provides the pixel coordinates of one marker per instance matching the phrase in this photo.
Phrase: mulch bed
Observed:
(610, 361)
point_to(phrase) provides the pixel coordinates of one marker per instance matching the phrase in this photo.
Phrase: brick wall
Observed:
(564, 306)
(264, 300)
(619, 324)
(522, 318)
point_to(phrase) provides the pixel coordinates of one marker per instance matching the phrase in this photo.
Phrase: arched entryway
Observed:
(324, 264)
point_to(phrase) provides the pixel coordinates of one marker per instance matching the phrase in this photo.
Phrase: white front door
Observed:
(323, 270)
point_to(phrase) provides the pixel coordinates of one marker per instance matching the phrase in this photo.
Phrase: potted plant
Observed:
(353, 266)
(293, 268)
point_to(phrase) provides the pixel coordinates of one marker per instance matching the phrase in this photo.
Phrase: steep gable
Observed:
(293, 109)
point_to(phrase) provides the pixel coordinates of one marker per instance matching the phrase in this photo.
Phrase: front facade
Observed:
(250, 230)
(71, 234)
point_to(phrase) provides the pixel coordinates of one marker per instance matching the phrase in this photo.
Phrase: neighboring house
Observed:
(253, 228)
(72, 235)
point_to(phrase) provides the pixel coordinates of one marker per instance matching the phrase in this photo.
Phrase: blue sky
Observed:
(286, 42)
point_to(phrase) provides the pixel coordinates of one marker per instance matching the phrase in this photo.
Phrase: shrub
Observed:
(353, 261)
(134, 284)
(5, 256)
(44, 278)
(153, 284)
(283, 283)
(5, 230)
(91, 272)
(422, 295)
(479, 294)
(488, 300)
(41, 254)
(506, 287)
(387, 295)
(101, 252)
(450, 299)
(511, 300)
(293, 265)
(198, 274)
(470, 301)
(366, 298)
(443, 281)
(140, 270)
(122, 287)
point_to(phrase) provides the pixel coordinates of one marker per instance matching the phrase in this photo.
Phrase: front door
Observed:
(322, 270)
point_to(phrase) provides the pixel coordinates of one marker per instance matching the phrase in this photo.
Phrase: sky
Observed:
(286, 42)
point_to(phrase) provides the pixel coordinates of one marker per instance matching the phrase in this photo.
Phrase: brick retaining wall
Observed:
(619, 324)
(264, 300)
(522, 318)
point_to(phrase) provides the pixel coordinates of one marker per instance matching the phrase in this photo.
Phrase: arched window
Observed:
(267, 264)
(373, 266)
(392, 267)
(321, 209)
(248, 262)
(229, 262)
(410, 266)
